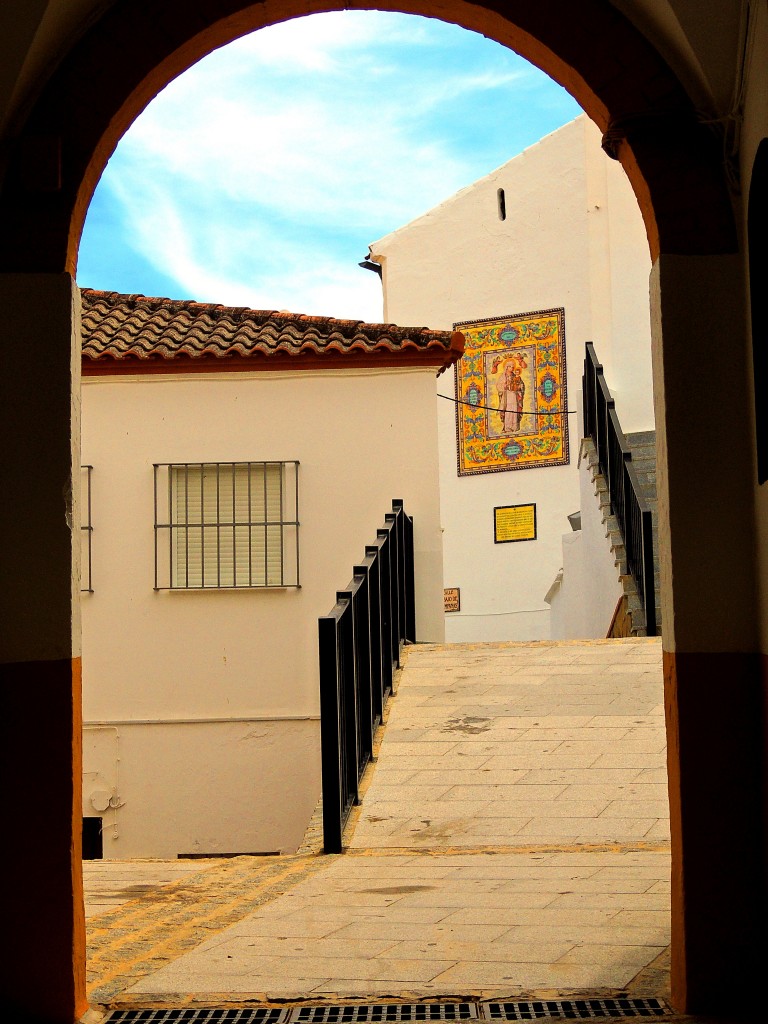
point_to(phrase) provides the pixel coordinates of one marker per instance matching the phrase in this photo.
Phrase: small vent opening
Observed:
(93, 846)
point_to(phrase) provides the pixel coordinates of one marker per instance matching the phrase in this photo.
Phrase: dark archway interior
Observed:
(758, 262)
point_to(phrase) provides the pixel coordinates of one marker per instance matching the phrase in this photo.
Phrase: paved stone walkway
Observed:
(159, 924)
(110, 884)
(520, 744)
(513, 840)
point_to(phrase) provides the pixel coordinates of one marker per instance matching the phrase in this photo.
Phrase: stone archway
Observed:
(757, 212)
(128, 56)
(675, 166)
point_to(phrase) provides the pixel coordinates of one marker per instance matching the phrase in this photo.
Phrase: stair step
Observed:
(647, 481)
(643, 451)
(641, 437)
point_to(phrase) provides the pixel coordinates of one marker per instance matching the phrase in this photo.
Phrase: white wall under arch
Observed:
(224, 685)
(573, 237)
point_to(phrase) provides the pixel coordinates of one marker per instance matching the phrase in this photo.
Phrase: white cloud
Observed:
(217, 258)
(318, 43)
(440, 94)
(311, 154)
(260, 176)
(280, 157)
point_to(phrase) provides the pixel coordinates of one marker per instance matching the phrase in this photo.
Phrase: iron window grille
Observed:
(226, 525)
(86, 531)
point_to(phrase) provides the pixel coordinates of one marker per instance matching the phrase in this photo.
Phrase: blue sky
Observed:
(260, 176)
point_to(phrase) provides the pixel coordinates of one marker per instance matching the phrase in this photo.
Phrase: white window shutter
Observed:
(227, 524)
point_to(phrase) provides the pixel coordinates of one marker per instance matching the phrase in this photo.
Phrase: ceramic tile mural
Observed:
(511, 391)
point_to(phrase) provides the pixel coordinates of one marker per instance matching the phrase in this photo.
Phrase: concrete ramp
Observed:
(510, 745)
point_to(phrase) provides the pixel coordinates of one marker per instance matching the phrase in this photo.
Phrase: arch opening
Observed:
(510, 428)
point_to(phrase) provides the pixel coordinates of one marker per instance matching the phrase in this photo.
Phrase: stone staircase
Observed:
(643, 447)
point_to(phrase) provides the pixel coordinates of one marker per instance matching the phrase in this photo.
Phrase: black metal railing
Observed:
(615, 457)
(360, 644)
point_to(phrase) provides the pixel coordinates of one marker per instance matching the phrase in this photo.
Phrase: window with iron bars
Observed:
(86, 531)
(226, 525)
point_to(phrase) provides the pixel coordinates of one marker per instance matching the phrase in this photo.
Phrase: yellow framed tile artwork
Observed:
(511, 408)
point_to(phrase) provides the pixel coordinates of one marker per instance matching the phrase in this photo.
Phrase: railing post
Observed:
(387, 630)
(369, 569)
(410, 581)
(353, 736)
(391, 519)
(392, 589)
(627, 521)
(649, 575)
(362, 653)
(330, 735)
(605, 453)
(383, 643)
(405, 569)
(374, 605)
(585, 403)
(589, 388)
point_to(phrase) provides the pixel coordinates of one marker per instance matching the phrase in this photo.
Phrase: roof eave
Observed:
(434, 357)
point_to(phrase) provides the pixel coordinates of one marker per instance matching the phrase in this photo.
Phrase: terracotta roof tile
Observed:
(135, 330)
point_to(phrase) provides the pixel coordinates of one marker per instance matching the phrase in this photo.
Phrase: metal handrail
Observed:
(360, 643)
(614, 455)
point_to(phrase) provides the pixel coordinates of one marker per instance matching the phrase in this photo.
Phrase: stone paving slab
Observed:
(342, 927)
(110, 884)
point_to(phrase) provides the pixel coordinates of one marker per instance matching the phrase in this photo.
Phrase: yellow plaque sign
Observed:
(452, 599)
(514, 522)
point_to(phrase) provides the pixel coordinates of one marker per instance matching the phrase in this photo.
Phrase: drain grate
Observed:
(383, 1012)
(373, 1013)
(200, 1015)
(574, 1009)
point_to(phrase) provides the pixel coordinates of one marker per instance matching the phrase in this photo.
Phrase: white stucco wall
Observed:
(212, 697)
(567, 596)
(573, 237)
(584, 603)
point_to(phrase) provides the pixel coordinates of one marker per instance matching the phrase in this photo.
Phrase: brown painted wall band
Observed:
(716, 731)
(43, 975)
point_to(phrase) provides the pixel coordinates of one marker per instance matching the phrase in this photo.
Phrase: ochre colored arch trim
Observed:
(673, 162)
